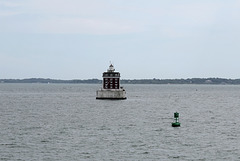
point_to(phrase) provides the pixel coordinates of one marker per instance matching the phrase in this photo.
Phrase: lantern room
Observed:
(111, 79)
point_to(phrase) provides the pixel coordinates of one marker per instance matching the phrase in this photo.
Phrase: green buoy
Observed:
(176, 123)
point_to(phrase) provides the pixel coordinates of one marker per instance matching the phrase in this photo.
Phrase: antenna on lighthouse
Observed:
(111, 63)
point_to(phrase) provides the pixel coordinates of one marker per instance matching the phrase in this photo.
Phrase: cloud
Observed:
(172, 19)
(85, 26)
(8, 13)
(9, 8)
(9, 4)
(80, 8)
(62, 16)
(84, 17)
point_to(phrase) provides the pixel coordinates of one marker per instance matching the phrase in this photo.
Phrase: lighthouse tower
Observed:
(111, 86)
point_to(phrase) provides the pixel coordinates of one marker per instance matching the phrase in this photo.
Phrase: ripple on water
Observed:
(65, 122)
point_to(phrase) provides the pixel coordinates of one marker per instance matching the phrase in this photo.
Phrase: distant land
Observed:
(129, 81)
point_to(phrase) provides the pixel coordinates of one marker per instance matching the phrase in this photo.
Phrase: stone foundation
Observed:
(111, 94)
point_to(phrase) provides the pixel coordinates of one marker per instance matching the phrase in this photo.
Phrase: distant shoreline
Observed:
(129, 81)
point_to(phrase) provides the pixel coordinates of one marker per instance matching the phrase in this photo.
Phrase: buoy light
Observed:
(176, 118)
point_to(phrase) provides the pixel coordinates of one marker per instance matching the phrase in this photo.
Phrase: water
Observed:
(66, 122)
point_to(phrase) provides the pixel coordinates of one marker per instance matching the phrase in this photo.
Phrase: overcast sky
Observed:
(77, 39)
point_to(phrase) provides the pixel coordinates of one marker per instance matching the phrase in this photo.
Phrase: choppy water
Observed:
(66, 122)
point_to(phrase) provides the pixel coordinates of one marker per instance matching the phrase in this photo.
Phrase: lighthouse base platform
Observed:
(114, 94)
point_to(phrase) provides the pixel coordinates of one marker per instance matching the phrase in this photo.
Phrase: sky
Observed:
(144, 39)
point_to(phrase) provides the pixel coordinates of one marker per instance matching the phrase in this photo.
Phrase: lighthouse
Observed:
(111, 86)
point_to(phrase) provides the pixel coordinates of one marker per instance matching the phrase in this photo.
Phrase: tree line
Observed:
(129, 81)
